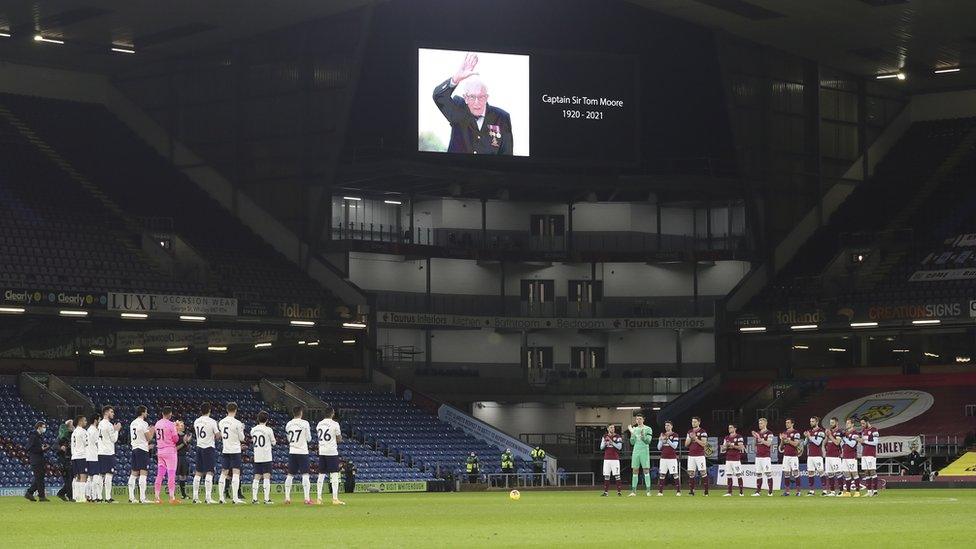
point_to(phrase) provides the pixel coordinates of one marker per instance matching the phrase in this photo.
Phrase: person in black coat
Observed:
(64, 459)
(476, 126)
(35, 450)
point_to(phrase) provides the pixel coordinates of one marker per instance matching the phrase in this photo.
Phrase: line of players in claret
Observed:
(832, 455)
(93, 455)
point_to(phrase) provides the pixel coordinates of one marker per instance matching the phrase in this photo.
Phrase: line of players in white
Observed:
(94, 447)
(831, 454)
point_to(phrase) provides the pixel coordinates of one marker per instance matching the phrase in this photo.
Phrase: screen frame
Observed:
(497, 161)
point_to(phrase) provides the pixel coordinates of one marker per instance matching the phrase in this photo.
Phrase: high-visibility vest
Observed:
(472, 464)
(507, 461)
(538, 454)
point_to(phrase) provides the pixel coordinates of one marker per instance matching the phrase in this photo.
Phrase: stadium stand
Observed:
(392, 423)
(245, 266)
(946, 417)
(69, 242)
(921, 189)
(17, 420)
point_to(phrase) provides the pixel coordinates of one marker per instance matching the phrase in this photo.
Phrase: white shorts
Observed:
(668, 467)
(764, 465)
(697, 463)
(850, 465)
(733, 468)
(611, 467)
(791, 463)
(815, 464)
(833, 465)
(869, 463)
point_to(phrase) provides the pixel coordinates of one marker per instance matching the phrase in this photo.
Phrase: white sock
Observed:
(88, 483)
(143, 483)
(76, 490)
(254, 488)
(319, 484)
(208, 486)
(288, 488)
(196, 487)
(96, 487)
(235, 485)
(267, 489)
(108, 486)
(334, 479)
(132, 486)
(306, 486)
(221, 485)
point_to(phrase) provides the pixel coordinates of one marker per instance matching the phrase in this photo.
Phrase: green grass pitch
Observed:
(899, 518)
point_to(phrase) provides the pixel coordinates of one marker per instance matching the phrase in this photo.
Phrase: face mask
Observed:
(42, 430)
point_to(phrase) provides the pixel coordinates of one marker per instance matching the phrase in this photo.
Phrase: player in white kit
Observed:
(93, 489)
(108, 435)
(79, 461)
(139, 468)
(299, 434)
(329, 435)
(232, 434)
(262, 440)
(206, 432)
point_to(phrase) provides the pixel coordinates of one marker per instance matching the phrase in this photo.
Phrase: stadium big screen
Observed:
(548, 107)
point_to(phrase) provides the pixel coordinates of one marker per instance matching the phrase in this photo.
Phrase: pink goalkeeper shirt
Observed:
(166, 436)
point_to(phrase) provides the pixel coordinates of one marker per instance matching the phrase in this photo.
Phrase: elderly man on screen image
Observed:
(476, 126)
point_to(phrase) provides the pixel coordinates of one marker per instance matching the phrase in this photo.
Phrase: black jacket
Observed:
(35, 447)
(495, 135)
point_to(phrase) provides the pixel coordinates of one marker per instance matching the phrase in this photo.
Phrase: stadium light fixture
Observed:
(801, 347)
(264, 345)
(353, 198)
(947, 70)
(930, 355)
(301, 342)
(354, 325)
(656, 408)
(752, 329)
(901, 350)
(898, 75)
(393, 202)
(926, 322)
(804, 327)
(134, 316)
(4, 35)
(72, 312)
(349, 341)
(192, 318)
(39, 38)
(120, 49)
(312, 344)
(12, 310)
(628, 407)
(963, 359)
(217, 348)
(177, 349)
(302, 323)
(136, 351)
(836, 350)
(864, 324)
(96, 352)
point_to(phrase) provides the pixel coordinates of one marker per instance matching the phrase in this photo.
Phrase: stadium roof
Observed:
(865, 37)
(155, 28)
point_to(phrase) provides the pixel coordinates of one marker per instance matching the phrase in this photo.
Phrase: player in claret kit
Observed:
(695, 441)
(668, 443)
(815, 437)
(848, 454)
(832, 462)
(790, 445)
(733, 445)
(869, 456)
(764, 464)
(611, 445)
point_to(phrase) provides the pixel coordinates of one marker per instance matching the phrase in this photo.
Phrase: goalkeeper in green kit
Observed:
(640, 440)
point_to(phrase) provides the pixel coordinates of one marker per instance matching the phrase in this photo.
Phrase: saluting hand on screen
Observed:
(467, 68)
